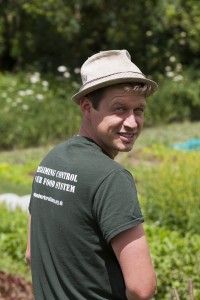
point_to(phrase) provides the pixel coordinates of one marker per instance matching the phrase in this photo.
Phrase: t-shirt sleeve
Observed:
(30, 204)
(116, 205)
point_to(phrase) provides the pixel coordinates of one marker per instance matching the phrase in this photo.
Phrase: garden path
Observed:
(12, 201)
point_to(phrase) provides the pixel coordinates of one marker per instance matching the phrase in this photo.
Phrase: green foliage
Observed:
(13, 237)
(18, 167)
(45, 34)
(177, 99)
(19, 177)
(169, 188)
(176, 260)
(36, 111)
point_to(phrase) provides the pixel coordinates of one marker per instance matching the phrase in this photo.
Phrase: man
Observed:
(86, 232)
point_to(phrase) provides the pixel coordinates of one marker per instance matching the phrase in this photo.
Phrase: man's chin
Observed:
(124, 148)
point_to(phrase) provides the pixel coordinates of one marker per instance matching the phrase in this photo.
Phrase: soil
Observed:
(14, 288)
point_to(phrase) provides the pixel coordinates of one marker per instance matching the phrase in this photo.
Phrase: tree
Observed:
(45, 34)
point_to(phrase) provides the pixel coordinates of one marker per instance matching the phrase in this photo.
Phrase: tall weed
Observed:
(169, 188)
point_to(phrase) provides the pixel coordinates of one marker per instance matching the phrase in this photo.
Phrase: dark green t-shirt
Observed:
(80, 200)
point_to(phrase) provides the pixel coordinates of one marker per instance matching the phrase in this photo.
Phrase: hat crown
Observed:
(108, 68)
(107, 63)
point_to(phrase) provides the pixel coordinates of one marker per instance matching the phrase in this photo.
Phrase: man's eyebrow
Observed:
(143, 105)
(121, 102)
(116, 102)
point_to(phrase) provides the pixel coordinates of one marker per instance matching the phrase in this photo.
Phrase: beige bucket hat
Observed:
(107, 68)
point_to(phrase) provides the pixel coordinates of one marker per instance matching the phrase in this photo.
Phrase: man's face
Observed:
(118, 121)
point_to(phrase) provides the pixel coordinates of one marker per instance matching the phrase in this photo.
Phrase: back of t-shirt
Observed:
(81, 198)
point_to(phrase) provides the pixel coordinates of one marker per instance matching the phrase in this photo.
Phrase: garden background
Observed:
(42, 46)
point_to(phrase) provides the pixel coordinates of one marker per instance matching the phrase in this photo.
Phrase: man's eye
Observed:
(120, 109)
(139, 110)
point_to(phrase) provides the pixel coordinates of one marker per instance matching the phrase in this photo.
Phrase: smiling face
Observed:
(117, 122)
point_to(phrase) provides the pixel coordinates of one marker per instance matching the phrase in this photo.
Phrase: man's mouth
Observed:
(127, 137)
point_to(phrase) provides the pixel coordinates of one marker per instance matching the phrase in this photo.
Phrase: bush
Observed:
(177, 99)
(36, 111)
(176, 260)
(169, 188)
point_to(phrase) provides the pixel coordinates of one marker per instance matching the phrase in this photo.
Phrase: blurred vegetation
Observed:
(169, 188)
(44, 43)
(42, 46)
(13, 238)
(167, 182)
(46, 34)
(37, 110)
(176, 260)
(175, 257)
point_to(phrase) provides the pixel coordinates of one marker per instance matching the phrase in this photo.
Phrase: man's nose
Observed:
(130, 120)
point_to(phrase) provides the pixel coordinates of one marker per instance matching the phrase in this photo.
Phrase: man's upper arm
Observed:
(132, 252)
(28, 247)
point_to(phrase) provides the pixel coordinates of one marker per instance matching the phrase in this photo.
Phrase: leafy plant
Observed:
(169, 188)
(176, 260)
(13, 237)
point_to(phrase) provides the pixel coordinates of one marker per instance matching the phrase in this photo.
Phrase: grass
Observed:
(166, 135)
(21, 165)
(18, 159)
(17, 168)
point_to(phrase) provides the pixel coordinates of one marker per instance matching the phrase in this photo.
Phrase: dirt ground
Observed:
(14, 288)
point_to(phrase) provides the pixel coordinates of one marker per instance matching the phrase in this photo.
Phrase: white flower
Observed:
(172, 58)
(22, 93)
(4, 95)
(8, 100)
(66, 75)
(18, 100)
(34, 78)
(29, 92)
(178, 67)
(178, 78)
(183, 34)
(45, 83)
(149, 33)
(14, 104)
(62, 69)
(25, 107)
(168, 68)
(39, 96)
(170, 74)
(77, 70)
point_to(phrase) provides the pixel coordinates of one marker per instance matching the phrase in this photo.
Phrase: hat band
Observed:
(93, 80)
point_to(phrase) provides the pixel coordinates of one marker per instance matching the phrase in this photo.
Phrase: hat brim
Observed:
(114, 79)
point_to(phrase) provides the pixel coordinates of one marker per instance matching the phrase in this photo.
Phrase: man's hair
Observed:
(136, 87)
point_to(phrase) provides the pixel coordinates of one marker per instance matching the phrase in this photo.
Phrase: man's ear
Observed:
(86, 106)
